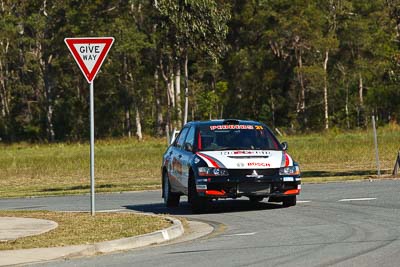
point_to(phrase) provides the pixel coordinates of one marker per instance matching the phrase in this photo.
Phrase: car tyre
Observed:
(170, 199)
(274, 199)
(198, 204)
(289, 201)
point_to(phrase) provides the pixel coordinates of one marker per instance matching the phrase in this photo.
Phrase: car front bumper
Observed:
(234, 187)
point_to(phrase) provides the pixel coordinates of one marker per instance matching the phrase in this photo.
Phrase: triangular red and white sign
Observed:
(89, 53)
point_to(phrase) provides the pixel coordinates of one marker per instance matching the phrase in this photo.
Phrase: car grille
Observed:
(243, 173)
(254, 188)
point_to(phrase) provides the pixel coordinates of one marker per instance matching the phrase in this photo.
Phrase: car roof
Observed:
(223, 121)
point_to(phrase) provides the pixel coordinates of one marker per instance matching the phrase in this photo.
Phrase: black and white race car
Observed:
(228, 159)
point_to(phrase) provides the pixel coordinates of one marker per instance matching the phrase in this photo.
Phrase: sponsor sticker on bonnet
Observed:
(244, 159)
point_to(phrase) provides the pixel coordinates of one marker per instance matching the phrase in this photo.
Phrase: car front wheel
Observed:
(170, 199)
(289, 201)
(198, 204)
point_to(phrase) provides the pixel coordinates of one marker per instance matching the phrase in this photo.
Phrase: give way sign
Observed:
(89, 53)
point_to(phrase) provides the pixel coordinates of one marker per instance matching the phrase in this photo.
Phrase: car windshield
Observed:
(233, 137)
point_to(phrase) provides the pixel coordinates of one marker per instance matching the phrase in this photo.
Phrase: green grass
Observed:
(75, 228)
(126, 164)
(53, 169)
(341, 155)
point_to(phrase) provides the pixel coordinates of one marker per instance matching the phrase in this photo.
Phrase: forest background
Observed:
(297, 65)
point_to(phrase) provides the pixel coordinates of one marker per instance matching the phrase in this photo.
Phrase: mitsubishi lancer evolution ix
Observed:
(228, 159)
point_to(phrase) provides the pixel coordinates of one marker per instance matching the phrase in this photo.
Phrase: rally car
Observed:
(228, 159)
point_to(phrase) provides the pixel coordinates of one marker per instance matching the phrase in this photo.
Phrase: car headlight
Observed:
(207, 171)
(291, 170)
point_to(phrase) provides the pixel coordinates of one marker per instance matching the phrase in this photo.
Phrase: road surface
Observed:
(339, 224)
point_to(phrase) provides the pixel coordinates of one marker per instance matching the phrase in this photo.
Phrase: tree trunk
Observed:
(186, 89)
(48, 94)
(361, 90)
(138, 124)
(172, 105)
(170, 96)
(128, 122)
(326, 89)
(273, 110)
(4, 94)
(347, 107)
(50, 109)
(125, 86)
(171, 90)
(178, 93)
(159, 114)
(45, 68)
(361, 118)
(301, 105)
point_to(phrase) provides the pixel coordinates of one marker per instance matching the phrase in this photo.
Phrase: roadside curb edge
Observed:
(36, 255)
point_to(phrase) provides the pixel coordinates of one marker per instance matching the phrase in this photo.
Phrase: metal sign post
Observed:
(376, 147)
(89, 53)
(92, 203)
(396, 165)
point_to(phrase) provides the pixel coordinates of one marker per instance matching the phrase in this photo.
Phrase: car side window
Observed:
(181, 138)
(190, 136)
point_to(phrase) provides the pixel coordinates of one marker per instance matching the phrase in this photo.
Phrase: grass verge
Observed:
(59, 169)
(77, 228)
(130, 165)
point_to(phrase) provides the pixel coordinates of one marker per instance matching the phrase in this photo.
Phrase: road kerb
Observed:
(24, 256)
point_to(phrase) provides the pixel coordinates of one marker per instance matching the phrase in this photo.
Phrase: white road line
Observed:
(242, 234)
(303, 201)
(356, 199)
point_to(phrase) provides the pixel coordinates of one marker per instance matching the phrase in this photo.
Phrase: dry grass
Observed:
(129, 165)
(341, 156)
(82, 228)
(120, 165)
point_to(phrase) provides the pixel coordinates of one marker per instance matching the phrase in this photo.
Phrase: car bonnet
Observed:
(246, 159)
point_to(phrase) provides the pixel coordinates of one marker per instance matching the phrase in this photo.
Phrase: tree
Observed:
(9, 34)
(199, 25)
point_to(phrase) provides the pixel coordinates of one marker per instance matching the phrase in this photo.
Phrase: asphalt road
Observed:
(339, 224)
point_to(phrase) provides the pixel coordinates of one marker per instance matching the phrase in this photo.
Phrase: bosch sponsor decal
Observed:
(258, 164)
(231, 127)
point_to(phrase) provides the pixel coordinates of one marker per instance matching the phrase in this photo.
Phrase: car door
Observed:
(186, 154)
(176, 161)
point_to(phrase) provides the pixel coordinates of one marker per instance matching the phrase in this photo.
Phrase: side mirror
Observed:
(285, 146)
(188, 147)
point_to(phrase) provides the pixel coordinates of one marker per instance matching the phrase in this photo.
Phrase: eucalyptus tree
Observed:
(129, 53)
(40, 23)
(366, 48)
(200, 25)
(9, 31)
